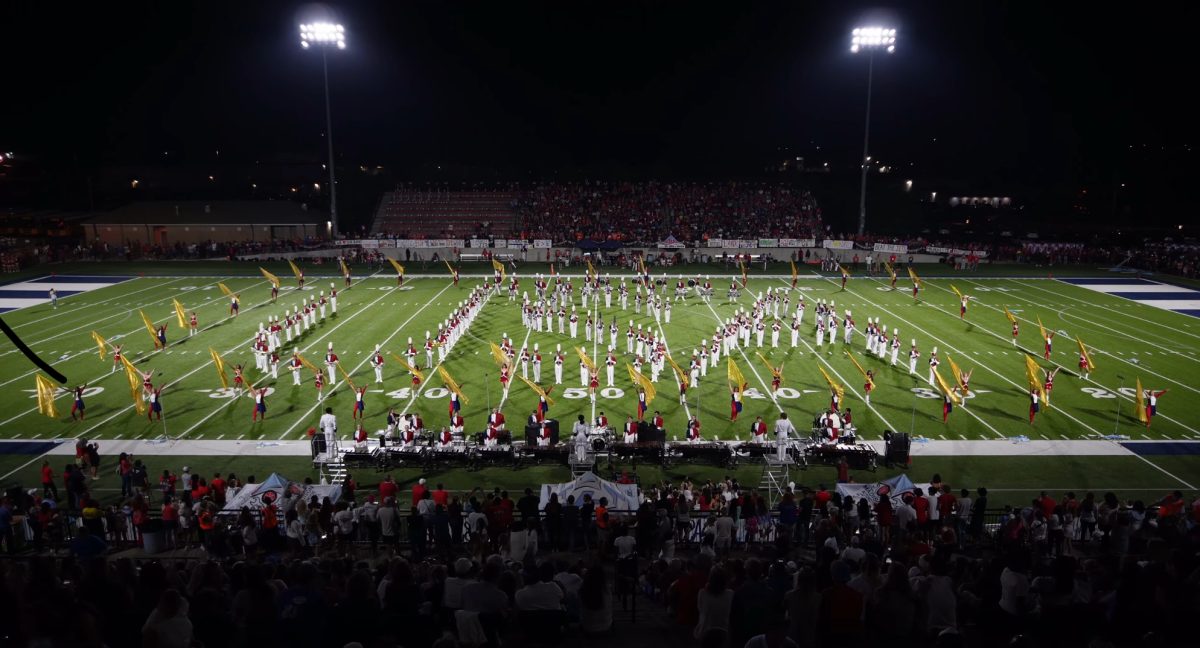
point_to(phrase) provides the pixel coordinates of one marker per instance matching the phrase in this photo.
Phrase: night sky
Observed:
(1032, 99)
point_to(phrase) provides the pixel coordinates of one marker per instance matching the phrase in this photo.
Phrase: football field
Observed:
(1129, 340)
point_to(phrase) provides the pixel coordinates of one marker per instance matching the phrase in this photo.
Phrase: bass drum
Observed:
(599, 445)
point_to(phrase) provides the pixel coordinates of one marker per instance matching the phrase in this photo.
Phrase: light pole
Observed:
(869, 39)
(325, 35)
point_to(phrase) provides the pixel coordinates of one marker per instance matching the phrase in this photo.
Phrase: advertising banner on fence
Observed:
(890, 248)
(671, 243)
(479, 243)
(797, 243)
(932, 249)
(543, 243)
(716, 243)
(516, 244)
(768, 242)
(830, 244)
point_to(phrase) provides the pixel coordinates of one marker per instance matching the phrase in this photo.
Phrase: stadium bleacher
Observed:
(426, 213)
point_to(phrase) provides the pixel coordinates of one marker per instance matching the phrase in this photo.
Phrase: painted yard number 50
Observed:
(1097, 392)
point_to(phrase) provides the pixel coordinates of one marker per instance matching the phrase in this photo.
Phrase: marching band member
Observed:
(631, 430)
(377, 364)
(233, 305)
(295, 365)
(641, 406)
(895, 345)
(758, 430)
(333, 295)
(319, 383)
(77, 406)
(1049, 343)
(602, 421)
(445, 439)
(543, 408)
(524, 359)
(537, 364)
(947, 407)
(579, 435)
(457, 425)
(321, 303)
(610, 364)
(260, 404)
(273, 360)
(238, 382)
(155, 404)
(491, 437)
(1083, 366)
(496, 419)
(593, 385)
(1016, 330)
(1049, 385)
(428, 351)
(1034, 403)
(933, 364)
(962, 307)
(868, 385)
(193, 324)
(784, 431)
(359, 393)
(913, 354)
(735, 403)
(393, 421)
(693, 430)
(116, 351)
(504, 381)
(658, 422)
(835, 401)
(331, 361)
(1152, 404)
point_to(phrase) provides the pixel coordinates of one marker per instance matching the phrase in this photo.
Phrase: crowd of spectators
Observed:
(934, 566)
(648, 212)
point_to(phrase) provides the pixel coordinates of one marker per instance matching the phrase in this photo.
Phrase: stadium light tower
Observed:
(323, 36)
(869, 40)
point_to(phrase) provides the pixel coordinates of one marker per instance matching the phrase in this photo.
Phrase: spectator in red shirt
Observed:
(217, 485)
(49, 489)
(418, 491)
(922, 507)
(441, 496)
(388, 488)
(822, 498)
(945, 504)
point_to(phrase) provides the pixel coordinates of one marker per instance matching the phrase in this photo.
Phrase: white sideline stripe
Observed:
(333, 387)
(82, 307)
(1064, 412)
(923, 447)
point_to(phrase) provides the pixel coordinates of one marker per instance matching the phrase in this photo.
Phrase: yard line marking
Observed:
(220, 436)
(240, 437)
(90, 349)
(71, 311)
(1126, 303)
(1091, 380)
(64, 392)
(312, 344)
(333, 387)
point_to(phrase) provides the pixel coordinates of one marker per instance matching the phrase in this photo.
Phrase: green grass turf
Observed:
(1129, 340)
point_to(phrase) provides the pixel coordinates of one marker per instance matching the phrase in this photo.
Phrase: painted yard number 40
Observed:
(579, 393)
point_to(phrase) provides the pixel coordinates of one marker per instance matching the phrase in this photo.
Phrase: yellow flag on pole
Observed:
(304, 361)
(956, 292)
(403, 363)
(890, 269)
(1011, 318)
(295, 269)
(270, 277)
(101, 343)
(540, 392)
(1041, 328)
(345, 270)
(396, 264)
(135, 385)
(150, 327)
(771, 368)
(1087, 357)
(1033, 373)
(913, 275)
(833, 384)
(643, 382)
(225, 289)
(179, 314)
(1140, 403)
(586, 360)
(351, 382)
(845, 272)
(860, 368)
(958, 377)
(736, 379)
(946, 388)
(449, 267)
(591, 269)
(219, 363)
(498, 267)
(453, 386)
(45, 396)
(795, 270)
(498, 354)
(745, 278)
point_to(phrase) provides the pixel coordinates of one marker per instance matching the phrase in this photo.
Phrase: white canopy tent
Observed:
(621, 497)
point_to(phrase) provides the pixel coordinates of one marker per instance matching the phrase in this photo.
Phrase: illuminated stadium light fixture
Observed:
(869, 39)
(322, 33)
(325, 35)
(873, 37)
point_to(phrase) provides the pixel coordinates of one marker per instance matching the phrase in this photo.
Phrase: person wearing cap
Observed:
(418, 491)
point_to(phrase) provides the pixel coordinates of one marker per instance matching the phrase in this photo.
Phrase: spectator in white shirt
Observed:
(452, 588)
(542, 594)
(522, 542)
(625, 544)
